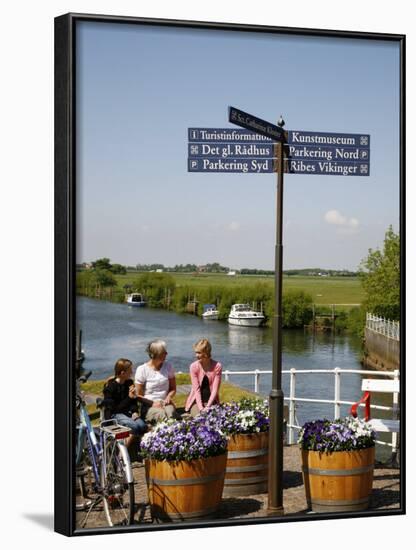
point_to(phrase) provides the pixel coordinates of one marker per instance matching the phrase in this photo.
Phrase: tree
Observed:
(102, 263)
(380, 277)
(118, 269)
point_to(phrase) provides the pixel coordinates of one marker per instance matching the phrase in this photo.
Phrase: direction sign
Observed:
(264, 165)
(297, 137)
(224, 135)
(235, 150)
(258, 125)
(248, 166)
(316, 152)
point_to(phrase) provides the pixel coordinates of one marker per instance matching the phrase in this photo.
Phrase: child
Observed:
(121, 401)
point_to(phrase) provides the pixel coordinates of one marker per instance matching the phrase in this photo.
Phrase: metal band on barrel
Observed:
(351, 472)
(187, 480)
(339, 502)
(247, 454)
(245, 480)
(238, 469)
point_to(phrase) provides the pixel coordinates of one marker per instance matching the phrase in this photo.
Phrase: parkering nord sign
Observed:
(241, 151)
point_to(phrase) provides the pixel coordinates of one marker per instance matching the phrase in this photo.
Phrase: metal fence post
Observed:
(227, 376)
(292, 395)
(337, 396)
(256, 381)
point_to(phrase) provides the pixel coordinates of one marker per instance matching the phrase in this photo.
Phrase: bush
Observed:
(356, 321)
(296, 309)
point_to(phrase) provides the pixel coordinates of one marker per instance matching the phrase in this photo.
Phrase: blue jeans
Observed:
(138, 426)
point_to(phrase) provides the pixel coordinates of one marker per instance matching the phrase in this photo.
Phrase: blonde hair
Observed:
(203, 346)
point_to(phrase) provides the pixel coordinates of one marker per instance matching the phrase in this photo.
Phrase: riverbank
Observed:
(303, 297)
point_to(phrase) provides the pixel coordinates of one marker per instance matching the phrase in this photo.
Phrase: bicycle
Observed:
(103, 455)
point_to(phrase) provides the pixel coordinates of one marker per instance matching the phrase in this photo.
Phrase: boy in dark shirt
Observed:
(121, 401)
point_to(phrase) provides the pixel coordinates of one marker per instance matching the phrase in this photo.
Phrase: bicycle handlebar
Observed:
(82, 379)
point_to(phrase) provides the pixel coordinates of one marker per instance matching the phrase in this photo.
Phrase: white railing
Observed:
(390, 329)
(292, 423)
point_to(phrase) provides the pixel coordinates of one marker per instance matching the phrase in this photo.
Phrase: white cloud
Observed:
(347, 225)
(234, 226)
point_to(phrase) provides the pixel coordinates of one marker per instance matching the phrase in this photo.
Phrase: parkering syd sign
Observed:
(244, 151)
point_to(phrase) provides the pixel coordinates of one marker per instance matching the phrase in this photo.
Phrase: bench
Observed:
(380, 386)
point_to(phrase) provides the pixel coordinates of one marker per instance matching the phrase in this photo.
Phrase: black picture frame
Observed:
(65, 254)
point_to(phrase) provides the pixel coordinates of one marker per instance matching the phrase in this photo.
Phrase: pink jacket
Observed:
(197, 375)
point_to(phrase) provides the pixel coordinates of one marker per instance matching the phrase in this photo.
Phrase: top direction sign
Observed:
(258, 125)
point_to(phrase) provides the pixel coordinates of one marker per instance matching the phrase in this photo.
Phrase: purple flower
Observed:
(338, 435)
(183, 441)
(247, 416)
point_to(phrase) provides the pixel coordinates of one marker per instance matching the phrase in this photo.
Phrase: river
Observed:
(111, 331)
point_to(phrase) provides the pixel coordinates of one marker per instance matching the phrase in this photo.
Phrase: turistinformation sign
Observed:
(319, 153)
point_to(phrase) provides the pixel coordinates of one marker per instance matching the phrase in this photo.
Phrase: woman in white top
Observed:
(156, 384)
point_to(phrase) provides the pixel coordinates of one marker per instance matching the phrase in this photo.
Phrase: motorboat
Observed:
(210, 312)
(244, 316)
(135, 299)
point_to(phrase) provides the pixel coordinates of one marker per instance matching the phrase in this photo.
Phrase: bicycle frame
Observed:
(93, 444)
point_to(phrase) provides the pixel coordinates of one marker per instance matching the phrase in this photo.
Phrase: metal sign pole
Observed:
(275, 497)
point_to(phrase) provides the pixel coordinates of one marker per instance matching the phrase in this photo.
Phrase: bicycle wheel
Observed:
(117, 484)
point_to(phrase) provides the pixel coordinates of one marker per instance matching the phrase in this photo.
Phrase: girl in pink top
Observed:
(205, 378)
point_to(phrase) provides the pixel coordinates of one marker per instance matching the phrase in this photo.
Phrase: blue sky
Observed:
(139, 89)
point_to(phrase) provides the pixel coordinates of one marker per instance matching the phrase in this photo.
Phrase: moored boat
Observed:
(210, 312)
(244, 316)
(136, 299)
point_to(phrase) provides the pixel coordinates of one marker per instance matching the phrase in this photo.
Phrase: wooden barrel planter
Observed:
(340, 481)
(247, 464)
(185, 489)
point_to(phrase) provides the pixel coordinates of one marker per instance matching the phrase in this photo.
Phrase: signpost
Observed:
(263, 147)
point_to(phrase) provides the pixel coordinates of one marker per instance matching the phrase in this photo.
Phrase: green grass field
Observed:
(324, 290)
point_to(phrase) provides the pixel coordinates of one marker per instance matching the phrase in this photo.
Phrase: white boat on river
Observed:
(244, 316)
(136, 299)
(210, 312)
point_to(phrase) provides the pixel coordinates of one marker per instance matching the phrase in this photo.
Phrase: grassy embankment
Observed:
(228, 392)
(324, 290)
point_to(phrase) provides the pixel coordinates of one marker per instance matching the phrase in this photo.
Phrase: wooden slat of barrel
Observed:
(339, 481)
(247, 465)
(185, 490)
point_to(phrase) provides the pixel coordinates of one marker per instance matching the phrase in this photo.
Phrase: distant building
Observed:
(232, 273)
(159, 270)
